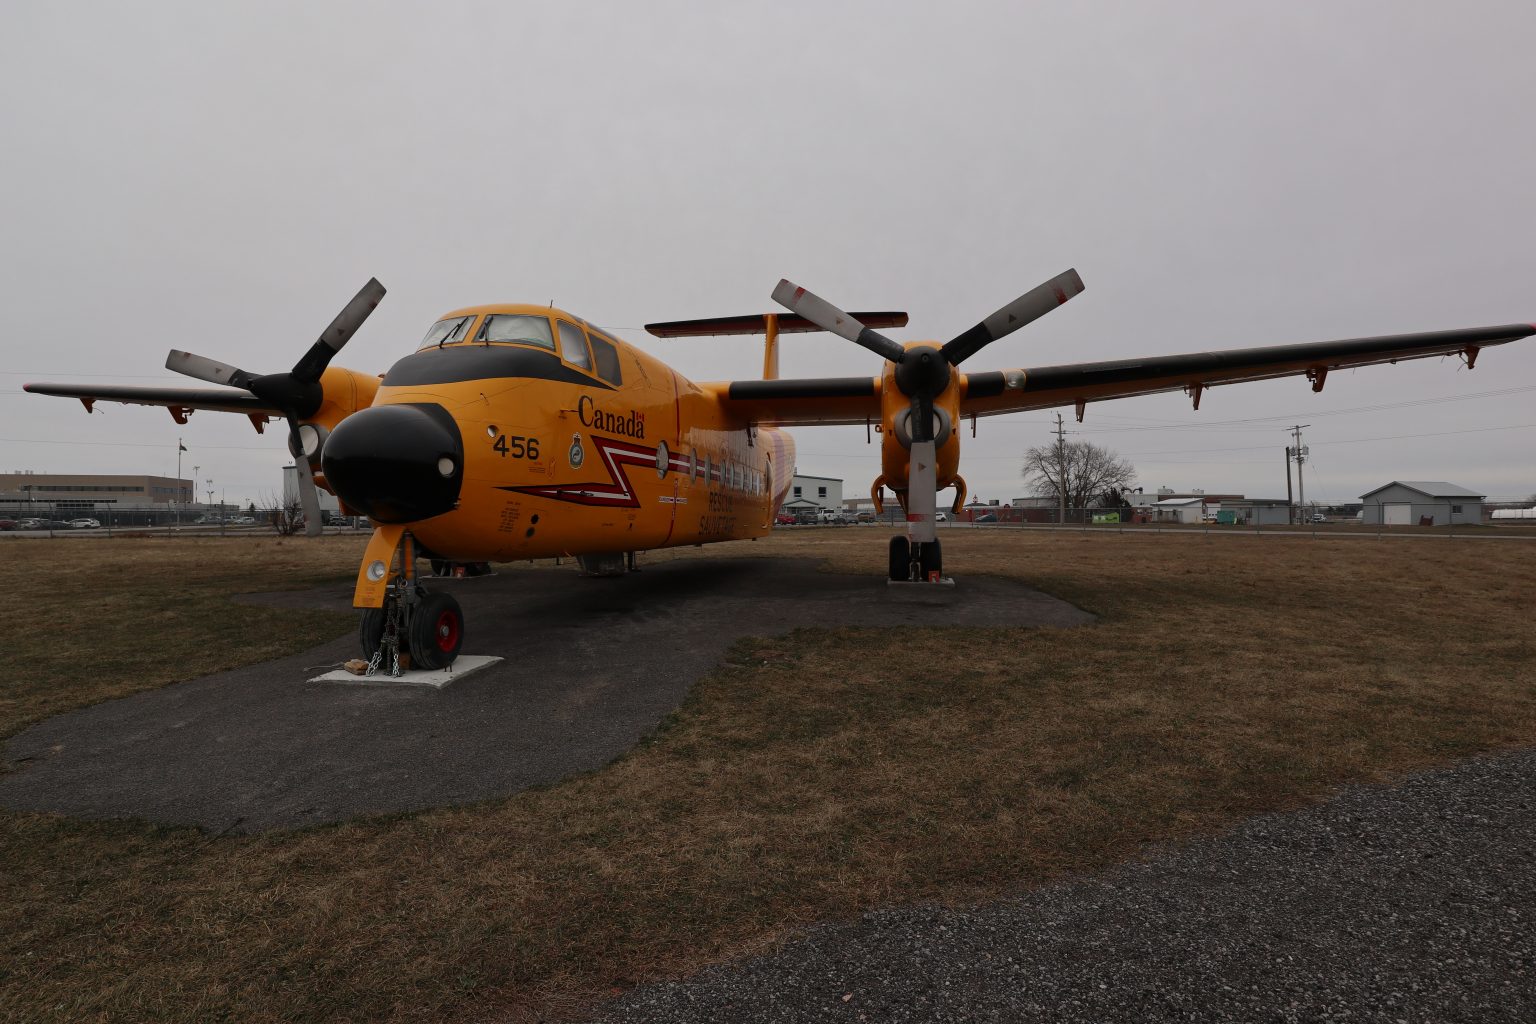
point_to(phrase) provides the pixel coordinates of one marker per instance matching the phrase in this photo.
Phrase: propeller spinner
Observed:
(296, 393)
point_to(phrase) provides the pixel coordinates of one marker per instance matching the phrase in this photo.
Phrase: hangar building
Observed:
(1410, 502)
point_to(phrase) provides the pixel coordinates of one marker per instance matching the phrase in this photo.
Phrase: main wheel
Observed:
(901, 559)
(930, 559)
(370, 631)
(436, 632)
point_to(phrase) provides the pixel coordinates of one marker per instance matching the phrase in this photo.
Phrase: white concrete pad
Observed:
(463, 665)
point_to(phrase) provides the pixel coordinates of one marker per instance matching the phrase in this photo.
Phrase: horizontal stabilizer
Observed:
(757, 323)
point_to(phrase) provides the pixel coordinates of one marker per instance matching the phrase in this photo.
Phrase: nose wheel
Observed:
(429, 627)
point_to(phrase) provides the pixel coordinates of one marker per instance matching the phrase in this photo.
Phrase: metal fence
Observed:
(83, 518)
(1263, 519)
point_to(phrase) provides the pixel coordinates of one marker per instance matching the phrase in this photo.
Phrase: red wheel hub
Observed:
(447, 631)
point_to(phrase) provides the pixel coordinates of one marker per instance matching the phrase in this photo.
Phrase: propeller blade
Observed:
(829, 318)
(211, 370)
(313, 364)
(1030, 306)
(309, 496)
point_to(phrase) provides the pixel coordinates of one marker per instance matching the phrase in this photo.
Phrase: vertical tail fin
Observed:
(771, 346)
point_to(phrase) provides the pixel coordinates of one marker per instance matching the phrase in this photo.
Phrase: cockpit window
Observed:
(606, 355)
(518, 330)
(446, 332)
(574, 344)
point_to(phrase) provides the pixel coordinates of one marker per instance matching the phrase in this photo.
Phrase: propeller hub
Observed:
(923, 372)
(396, 463)
(300, 399)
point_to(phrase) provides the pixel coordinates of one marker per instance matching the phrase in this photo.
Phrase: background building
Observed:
(88, 491)
(825, 491)
(1409, 502)
(1259, 511)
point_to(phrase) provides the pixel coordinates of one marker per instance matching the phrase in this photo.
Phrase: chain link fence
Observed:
(82, 518)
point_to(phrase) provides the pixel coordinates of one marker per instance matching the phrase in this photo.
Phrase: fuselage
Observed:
(568, 441)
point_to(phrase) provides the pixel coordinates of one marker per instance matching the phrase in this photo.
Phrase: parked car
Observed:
(940, 517)
(7, 524)
(985, 517)
(29, 524)
(783, 519)
(84, 523)
(243, 521)
(1318, 517)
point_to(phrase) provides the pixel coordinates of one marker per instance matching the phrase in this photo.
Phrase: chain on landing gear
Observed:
(394, 615)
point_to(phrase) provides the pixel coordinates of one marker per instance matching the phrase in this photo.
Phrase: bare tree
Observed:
(1081, 470)
(286, 517)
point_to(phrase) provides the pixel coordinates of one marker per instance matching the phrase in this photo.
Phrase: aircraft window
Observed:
(446, 332)
(574, 345)
(518, 330)
(605, 355)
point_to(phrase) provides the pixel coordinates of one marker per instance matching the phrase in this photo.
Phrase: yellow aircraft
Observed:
(521, 431)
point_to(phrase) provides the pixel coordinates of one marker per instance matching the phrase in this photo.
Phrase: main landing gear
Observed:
(916, 561)
(412, 627)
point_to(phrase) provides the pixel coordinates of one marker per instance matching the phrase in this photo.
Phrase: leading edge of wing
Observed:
(1048, 386)
(210, 399)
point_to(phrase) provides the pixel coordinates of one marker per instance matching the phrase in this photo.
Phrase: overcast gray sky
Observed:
(222, 178)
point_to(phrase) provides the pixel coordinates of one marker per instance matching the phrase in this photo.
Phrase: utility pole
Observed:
(1299, 453)
(1061, 468)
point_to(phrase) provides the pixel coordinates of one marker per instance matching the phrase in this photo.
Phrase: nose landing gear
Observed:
(409, 626)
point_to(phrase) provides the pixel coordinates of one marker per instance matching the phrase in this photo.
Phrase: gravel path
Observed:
(1408, 903)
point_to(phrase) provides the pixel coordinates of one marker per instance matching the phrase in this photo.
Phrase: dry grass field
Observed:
(810, 776)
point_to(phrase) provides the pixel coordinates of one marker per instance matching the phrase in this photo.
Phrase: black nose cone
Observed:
(396, 463)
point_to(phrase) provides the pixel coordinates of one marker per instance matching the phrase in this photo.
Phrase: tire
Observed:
(370, 631)
(901, 559)
(436, 632)
(930, 559)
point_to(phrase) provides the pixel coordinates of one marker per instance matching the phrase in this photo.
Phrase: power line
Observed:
(140, 444)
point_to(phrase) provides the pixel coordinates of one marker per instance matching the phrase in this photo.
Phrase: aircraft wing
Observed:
(179, 400)
(812, 401)
(1046, 387)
